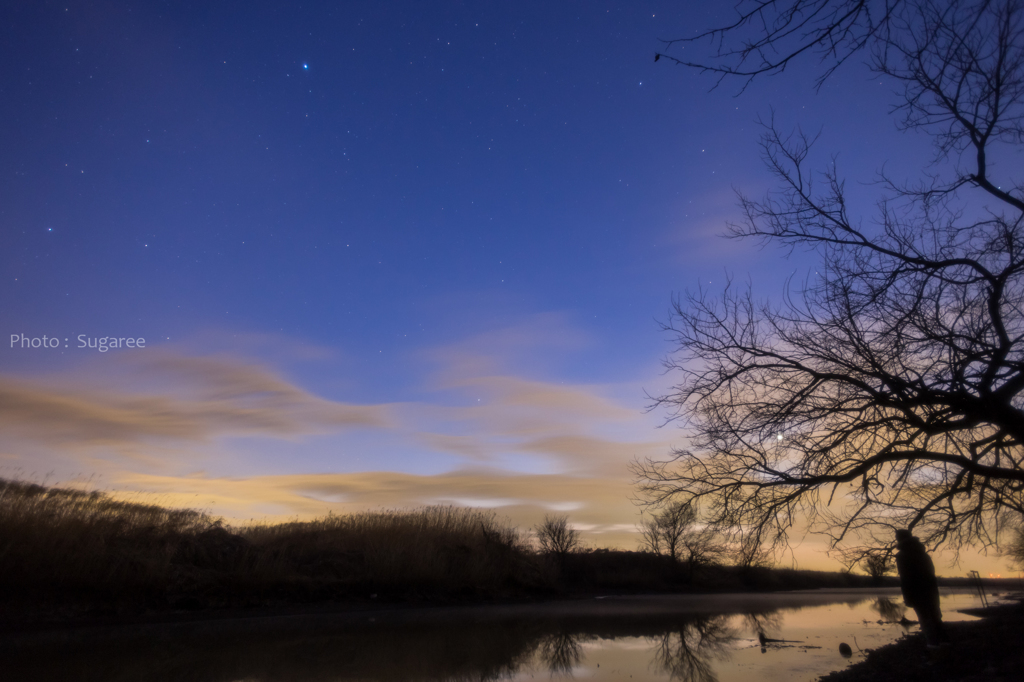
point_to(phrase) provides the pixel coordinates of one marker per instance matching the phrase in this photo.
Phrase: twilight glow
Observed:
(380, 254)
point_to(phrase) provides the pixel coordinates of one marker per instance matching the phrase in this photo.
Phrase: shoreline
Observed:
(343, 615)
(26, 622)
(403, 636)
(990, 649)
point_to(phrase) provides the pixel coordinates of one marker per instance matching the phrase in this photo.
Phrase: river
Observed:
(692, 638)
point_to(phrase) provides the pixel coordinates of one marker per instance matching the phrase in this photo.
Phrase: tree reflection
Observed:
(763, 622)
(561, 652)
(688, 651)
(889, 610)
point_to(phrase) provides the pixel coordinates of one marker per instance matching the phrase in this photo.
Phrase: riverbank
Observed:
(682, 637)
(986, 650)
(70, 558)
(307, 618)
(67, 556)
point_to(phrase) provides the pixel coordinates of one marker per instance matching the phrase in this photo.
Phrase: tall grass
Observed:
(53, 537)
(66, 552)
(65, 547)
(449, 549)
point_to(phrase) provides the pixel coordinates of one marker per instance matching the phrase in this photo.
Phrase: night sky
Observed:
(382, 254)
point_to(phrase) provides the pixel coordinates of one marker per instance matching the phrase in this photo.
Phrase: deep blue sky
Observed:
(404, 210)
(172, 167)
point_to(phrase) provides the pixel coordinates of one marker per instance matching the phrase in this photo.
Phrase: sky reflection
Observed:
(481, 644)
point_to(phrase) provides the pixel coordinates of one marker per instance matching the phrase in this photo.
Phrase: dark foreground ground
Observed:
(989, 650)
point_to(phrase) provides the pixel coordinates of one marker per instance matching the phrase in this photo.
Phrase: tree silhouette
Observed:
(557, 537)
(1015, 548)
(673, 531)
(767, 35)
(877, 566)
(885, 391)
(663, 532)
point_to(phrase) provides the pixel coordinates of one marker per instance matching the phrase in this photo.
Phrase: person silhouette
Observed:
(919, 586)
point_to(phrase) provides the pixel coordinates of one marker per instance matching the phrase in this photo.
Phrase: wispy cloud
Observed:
(599, 504)
(525, 346)
(189, 399)
(559, 428)
(504, 437)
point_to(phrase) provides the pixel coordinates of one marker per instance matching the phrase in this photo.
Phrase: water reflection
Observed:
(456, 645)
(889, 610)
(688, 652)
(760, 623)
(561, 652)
(450, 653)
(763, 622)
(683, 648)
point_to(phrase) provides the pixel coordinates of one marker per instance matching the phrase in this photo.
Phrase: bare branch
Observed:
(767, 35)
(887, 389)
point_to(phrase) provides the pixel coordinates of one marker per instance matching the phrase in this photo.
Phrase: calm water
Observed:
(725, 648)
(701, 638)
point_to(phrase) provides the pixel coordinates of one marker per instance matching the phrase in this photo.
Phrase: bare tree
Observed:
(750, 552)
(664, 531)
(672, 531)
(886, 390)
(557, 537)
(650, 535)
(877, 565)
(1015, 548)
(703, 548)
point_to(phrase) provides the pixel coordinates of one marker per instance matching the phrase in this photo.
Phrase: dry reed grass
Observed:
(60, 537)
(66, 553)
(66, 546)
(450, 549)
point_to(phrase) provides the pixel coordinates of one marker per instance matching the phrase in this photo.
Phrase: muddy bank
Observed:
(989, 650)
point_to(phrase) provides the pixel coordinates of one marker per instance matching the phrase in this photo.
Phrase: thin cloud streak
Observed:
(207, 398)
(521, 446)
(602, 505)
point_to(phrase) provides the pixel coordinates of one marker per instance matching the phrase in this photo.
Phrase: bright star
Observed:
(305, 66)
